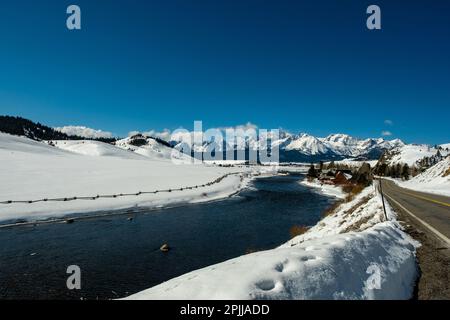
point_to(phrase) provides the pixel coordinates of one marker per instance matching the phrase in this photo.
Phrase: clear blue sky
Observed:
(309, 66)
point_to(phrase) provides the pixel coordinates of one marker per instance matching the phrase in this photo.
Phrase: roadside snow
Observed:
(333, 260)
(34, 170)
(433, 180)
(334, 267)
(363, 212)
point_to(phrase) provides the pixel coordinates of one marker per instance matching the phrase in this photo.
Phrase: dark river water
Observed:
(118, 257)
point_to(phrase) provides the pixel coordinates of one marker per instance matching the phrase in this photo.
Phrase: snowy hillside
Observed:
(149, 147)
(410, 154)
(435, 179)
(9, 144)
(36, 170)
(333, 260)
(94, 148)
(446, 146)
(36, 131)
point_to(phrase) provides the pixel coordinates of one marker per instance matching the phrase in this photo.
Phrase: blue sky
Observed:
(307, 66)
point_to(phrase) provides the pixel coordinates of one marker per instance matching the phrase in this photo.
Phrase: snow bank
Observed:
(364, 211)
(326, 189)
(34, 170)
(334, 267)
(435, 179)
(333, 260)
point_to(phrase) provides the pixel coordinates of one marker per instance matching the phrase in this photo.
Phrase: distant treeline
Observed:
(36, 131)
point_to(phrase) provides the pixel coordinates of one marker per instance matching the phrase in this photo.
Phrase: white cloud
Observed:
(244, 127)
(181, 134)
(84, 132)
(388, 122)
(164, 135)
(133, 133)
(386, 133)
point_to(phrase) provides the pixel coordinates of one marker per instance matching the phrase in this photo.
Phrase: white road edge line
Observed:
(433, 230)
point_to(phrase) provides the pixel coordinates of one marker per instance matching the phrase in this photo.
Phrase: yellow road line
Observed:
(433, 230)
(427, 199)
(422, 197)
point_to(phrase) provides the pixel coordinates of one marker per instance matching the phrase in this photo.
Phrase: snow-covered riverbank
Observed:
(326, 189)
(351, 254)
(34, 170)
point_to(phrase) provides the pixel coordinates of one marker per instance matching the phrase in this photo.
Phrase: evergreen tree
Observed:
(387, 171)
(331, 165)
(398, 170)
(381, 169)
(405, 171)
(312, 172)
(36, 131)
(414, 171)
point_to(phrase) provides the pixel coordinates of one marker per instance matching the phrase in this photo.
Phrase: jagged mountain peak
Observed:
(307, 144)
(340, 138)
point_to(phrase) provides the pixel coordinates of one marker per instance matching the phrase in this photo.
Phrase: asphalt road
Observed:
(432, 211)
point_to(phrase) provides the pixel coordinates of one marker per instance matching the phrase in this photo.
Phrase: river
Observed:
(118, 256)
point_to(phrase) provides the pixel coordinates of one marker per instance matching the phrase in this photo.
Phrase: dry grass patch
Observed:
(357, 225)
(331, 209)
(352, 190)
(446, 173)
(250, 250)
(357, 205)
(296, 230)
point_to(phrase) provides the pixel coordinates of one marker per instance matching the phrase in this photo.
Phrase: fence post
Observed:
(382, 200)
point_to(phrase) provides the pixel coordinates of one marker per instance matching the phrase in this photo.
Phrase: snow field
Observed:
(34, 170)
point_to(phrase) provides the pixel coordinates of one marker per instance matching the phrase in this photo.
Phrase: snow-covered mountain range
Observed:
(334, 147)
(306, 148)
(292, 147)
